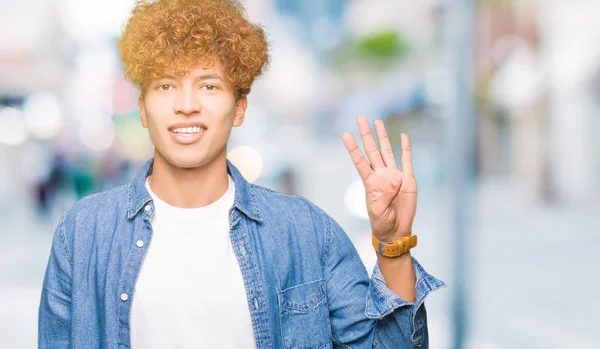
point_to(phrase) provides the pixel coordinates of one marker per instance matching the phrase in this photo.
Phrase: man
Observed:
(190, 255)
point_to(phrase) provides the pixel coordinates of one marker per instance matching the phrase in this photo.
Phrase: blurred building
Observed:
(537, 101)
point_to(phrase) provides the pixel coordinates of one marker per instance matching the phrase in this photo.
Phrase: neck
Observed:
(189, 187)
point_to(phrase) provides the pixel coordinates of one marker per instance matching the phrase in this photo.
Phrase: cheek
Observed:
(156, 114)
(223, 108)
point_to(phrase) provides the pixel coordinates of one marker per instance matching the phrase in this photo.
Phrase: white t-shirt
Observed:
(190, 292)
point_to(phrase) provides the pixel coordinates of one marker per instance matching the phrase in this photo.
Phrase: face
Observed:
(189, 118)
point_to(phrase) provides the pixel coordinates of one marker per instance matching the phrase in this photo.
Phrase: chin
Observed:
(187, 164)
(188, 161)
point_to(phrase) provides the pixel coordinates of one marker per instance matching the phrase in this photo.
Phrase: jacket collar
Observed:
(244, 199)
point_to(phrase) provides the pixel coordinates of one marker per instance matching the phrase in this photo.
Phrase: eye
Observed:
(164, 87)
(210, 87)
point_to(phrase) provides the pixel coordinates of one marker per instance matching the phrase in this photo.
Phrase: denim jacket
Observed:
(306, 285)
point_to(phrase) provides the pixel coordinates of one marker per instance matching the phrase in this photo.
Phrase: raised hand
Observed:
(391, 194)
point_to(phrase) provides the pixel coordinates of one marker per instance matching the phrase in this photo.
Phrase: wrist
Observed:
(392, 236)
(399, 260)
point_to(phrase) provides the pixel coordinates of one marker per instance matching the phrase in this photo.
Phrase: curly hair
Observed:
(170, 36)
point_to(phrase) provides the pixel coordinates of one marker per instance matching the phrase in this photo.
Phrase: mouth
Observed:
(187, 135)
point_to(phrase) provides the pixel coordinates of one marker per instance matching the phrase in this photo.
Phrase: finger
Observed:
(386, 148)
(407, 167)
(369, 143)
(359, 161)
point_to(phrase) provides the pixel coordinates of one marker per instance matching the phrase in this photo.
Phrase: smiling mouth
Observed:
(188, 131)
(188, 135)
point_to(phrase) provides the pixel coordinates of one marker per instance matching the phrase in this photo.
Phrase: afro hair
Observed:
(170, 36)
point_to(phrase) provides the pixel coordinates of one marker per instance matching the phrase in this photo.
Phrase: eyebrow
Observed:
(202, 77)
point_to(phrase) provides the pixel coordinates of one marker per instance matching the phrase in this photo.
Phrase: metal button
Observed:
(147, 208)
(139, 243)
(124, 297)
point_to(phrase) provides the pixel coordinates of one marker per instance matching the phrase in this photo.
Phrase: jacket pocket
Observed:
(304, 316)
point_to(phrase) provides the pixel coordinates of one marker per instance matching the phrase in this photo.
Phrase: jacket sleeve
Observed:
(364, 312)
(54, 316)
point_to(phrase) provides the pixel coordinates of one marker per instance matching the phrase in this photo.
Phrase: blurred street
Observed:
(523, 137)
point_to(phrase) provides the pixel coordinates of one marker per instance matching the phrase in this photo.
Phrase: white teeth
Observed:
(188, 130)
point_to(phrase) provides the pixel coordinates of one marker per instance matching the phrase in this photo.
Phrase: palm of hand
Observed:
(391, 194)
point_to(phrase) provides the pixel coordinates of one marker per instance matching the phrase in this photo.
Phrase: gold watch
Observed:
(396, 248)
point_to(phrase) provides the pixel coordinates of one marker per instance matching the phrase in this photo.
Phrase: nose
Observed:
(187, 102)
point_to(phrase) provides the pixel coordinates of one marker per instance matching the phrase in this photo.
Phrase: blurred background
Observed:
(501, 100)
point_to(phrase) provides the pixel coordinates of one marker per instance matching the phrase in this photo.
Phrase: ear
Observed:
(240, 111)
(143, 111)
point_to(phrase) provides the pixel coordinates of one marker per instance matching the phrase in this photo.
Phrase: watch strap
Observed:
(396, 248)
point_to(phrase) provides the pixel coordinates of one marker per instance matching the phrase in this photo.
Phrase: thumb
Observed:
(381, 200)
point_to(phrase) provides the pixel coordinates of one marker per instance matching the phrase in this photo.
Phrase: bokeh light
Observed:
(355, 200)
(13, 129)
(248, 161)
(100, 138)
(43, 115)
